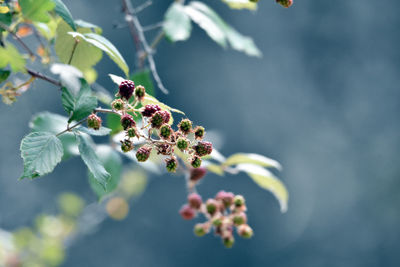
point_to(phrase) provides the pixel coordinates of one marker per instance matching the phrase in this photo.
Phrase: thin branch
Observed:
(43, 77)
(152, 26)
(134, 23)
(142, 6)
(72, 127)
(19, 40)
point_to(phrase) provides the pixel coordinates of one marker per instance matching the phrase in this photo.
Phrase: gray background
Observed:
(324, 101)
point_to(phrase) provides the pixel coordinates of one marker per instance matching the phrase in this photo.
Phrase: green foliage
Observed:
(54, 123)
(78, 105)
(112, 162)
(253, 159)
(4, 75)
(177, 26)
(9, 55)
(64, 13)
(144, 78)
(37, 10)
(114, 122)
(41, 152)
(88, 155)
(241, 4)
(85, 55)
(106, 46)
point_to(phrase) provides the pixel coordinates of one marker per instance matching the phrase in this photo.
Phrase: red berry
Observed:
(203, 148)
(166, 116)
(197, 174)
(194, 200)
(150, 109)
(225, 197)
(143, 153)
(127, 121)
(285, 3)
(187, 212)
(126, 89)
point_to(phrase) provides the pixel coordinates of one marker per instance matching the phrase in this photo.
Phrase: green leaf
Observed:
(36, 10)
(213, 28)
(144, 78)
(177, 26)
(10, 55)
(84, 24)
(4, 75)
(253, 159)
(64, 13)
(112, 162)
(241, 4)
(41, 152)
(54, 123)
(81, 105)
(100, 175)
(266, 180)
(219, 30)
(116, 79)
(100, 132)
(85, 55)
(5, 19)
(105, 45)
(114, 122)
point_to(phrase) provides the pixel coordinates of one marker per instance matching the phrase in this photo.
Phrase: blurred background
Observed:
(323, 101)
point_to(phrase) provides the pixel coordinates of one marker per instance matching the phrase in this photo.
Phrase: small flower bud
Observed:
(225, 197)
(245, 231)
(94, 121)
(150, 109)
(285, 3)
(212, 206)
(239, 201)
(197, 174)
(126, 145)
(185, 126)
(187, 212)
(195, 162)
(182, 143)
(194, 200)
(200, 229)
(228, 241)
(143, 153)
(240, 218)
(203, 148)
(199, 132)
(127, 121)
(126, 89)
(157, 119)
(140, 92)
(165, 131)
(171, 164)
(166, 116)
(118, 104)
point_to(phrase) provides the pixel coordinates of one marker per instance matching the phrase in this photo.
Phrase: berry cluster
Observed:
(155, 123)
(223, 213)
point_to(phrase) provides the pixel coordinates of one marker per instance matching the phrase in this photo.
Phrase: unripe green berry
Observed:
(171, 164)
(118, 104)
(228, 241)
(165, 131)
(217, 222)
(143, 153)
(140, 92)
(185, 126)
(157, 119)
(211, 206)
(239, 200)
(94, 121)
(195, 162)
(200, 229)
(240, 218)
(285, 3)
(199, 132)
(131, 132)
(126, 145)
(245, 231)
(203, 148)
(182, 143)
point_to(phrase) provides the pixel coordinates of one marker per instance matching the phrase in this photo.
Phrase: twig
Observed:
(73, 51)
(43, 77)
(133, 22)
(142, 6)
(19, 40)
(152, 26)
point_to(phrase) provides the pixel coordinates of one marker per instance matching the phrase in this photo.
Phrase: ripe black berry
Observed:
(126, 89)
(150, 109)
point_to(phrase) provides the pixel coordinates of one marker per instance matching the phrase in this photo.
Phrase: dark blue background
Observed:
(324, 101)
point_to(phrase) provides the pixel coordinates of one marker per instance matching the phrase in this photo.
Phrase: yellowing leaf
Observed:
(4, 9)
(267, 180)
(253, 159)
(241, 4)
